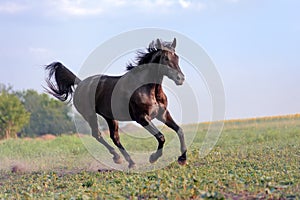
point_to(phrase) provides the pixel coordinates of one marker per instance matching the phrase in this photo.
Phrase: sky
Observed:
(254, 44)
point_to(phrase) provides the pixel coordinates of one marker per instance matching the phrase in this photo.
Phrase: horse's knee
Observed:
(98, 136)
(95, 134)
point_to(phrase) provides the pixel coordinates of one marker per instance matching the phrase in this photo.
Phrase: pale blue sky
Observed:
(255, 44)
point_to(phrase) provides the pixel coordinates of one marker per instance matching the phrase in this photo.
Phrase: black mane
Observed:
(154, 49)
(143, 57)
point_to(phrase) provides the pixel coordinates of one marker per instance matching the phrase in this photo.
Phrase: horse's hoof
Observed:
(131, 166)
(117, 159)
(181, 161)
(153, 158)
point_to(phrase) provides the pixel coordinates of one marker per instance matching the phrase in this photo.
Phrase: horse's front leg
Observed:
(149, 126)
(167, 119)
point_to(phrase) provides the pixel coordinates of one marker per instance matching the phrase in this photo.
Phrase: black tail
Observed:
(65, 81)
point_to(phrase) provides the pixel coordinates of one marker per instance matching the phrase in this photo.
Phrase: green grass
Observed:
(254, 158)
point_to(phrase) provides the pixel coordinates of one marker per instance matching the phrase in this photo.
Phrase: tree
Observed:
(13, 115)
(47, 114)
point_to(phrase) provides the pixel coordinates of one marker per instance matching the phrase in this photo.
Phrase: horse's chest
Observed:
(149, 104)
(154, 109)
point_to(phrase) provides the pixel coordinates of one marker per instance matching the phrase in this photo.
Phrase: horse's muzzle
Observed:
(179, 79)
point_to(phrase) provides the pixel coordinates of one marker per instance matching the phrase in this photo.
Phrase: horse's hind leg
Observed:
(114, 135)
(92, 120)
(167, 119)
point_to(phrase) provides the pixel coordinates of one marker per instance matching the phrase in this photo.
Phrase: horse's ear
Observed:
(158, 44)
(174, 43)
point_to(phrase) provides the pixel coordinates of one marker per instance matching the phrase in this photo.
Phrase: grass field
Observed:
(253, 159)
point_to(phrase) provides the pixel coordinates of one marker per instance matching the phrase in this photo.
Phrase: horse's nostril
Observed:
(180, 78)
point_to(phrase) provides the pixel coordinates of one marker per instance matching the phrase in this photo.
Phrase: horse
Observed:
(135, 96)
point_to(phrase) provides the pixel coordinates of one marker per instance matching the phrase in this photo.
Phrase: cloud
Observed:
(90, 8)
(184, 3)
(77, 8)
(195, 5)
(232, 1)
(84, 8)
(12, 7)
(98, 7)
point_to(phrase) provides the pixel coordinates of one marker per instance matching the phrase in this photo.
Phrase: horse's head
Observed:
(170, 59)
(163, 54)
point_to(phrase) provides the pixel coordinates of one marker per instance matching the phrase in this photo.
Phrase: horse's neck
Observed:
(156, 78)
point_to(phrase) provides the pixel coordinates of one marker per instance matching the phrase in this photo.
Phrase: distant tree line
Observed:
(28, 114)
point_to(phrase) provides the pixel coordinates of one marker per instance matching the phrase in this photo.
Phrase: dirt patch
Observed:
(95, 166)
(21, 167)
(27, 139)
(46, 137)
(80, 135)
(18, 168)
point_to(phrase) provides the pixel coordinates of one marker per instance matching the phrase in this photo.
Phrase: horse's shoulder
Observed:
(161, 97)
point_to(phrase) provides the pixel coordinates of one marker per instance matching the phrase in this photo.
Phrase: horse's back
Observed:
(93, 91)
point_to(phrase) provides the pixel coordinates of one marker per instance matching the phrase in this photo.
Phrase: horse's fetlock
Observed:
(162, 138)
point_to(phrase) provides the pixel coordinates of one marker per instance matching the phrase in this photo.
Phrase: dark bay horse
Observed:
(135, 96)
